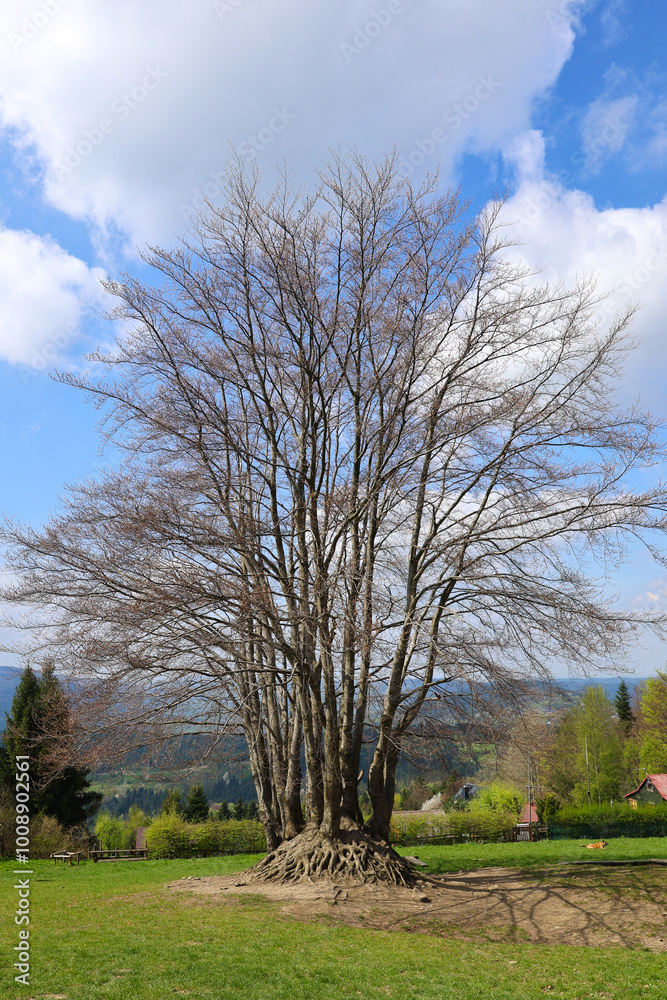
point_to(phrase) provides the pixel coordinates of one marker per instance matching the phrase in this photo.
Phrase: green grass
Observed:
(540, 853)
(114, 931)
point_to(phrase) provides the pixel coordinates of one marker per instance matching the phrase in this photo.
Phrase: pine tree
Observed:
(224, 812)
(623, 707)
(172, 802)
(239, 809)
(197, 807)
(39, 710)
(21, 729)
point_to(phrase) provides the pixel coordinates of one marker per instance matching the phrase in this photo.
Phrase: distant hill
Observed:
(9, 678)
(609, 684)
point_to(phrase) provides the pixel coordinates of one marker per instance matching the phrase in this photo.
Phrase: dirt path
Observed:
(620, 907)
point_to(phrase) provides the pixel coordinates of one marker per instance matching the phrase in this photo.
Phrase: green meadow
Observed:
(115, 930)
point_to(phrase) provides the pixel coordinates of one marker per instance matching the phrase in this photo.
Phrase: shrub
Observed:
(482, 824)
(47, 836)
(435, 802)
(498, 797)
(7, 823)
(110, 832)
(411, 829)
(454, 826)
(168, 836)
(171, 836)
(619, 820)
(136, 818)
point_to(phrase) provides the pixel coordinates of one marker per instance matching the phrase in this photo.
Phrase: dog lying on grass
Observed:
(598, 843)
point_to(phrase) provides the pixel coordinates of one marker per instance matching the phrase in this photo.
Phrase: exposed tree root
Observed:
(354, 855)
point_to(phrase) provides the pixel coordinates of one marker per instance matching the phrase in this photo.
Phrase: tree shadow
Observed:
(587, 905)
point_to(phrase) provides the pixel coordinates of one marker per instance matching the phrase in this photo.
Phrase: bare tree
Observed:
(365, 459)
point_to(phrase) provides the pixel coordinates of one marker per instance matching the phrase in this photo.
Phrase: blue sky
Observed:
(115, 117)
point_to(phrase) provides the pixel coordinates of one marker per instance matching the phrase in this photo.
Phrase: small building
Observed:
(466, 792)
(652, 791)
(527, 818)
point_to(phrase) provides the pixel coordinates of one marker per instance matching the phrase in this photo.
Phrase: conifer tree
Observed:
(623, 706)
(197, 807)
(39, 711)
(172, 802)
(21, 730)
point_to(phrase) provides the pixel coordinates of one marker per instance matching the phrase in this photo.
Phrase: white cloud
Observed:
(122, 148)
(629, 117)
(44, 295)
(605, 128)
(656, 148)
(566, 234)
(613, 18)
(652, 595)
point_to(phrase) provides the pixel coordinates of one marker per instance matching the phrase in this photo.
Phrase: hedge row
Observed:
(46, 836)
(453, 827)
(170, 836)
(595, 822)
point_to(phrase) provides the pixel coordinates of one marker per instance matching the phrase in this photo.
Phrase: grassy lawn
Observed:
(115, 931)
(538, 854)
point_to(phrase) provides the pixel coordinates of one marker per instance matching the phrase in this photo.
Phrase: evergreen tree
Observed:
(623, 706)
(197, 807)
(172, 802)
(39, 711)
(252, 811)
(239, 809)
(21, 731)
(547, 808)
(224, 812)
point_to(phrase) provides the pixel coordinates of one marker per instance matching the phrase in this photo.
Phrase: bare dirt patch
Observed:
(573, 905)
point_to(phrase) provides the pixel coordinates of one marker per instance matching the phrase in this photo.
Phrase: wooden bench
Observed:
(66, 856)
(130, 854)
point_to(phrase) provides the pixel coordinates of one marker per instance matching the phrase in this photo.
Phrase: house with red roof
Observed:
(652, 791)
(527, 819)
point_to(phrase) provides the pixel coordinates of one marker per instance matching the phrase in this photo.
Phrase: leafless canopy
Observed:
(365, 458)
